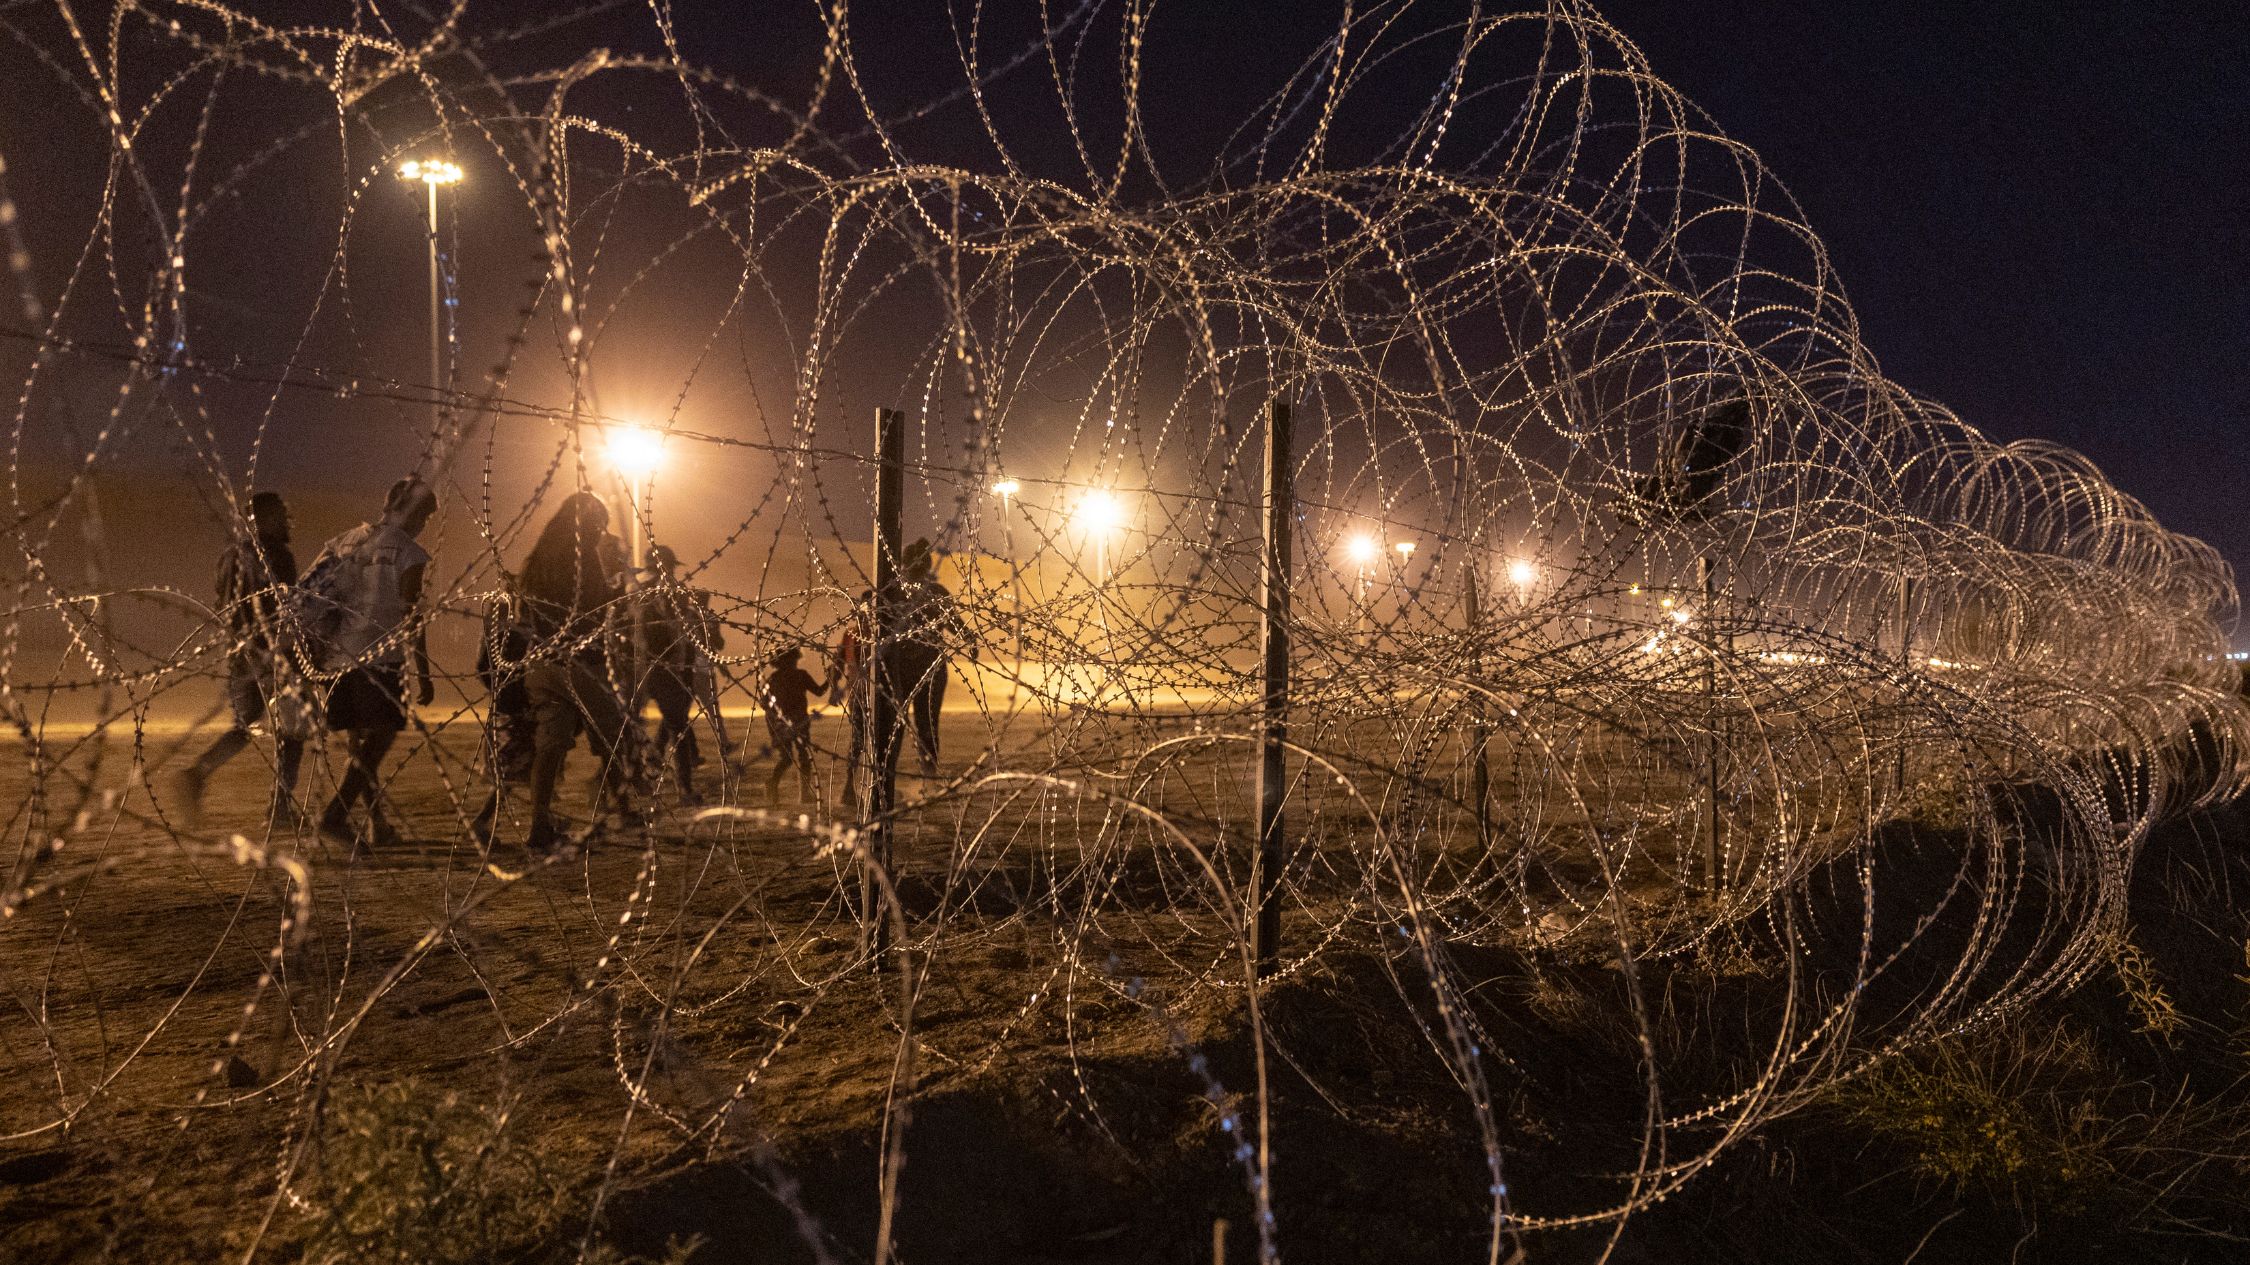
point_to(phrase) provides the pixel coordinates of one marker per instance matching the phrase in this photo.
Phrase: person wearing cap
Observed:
(375, 571)
(788, 695)
(252, 575)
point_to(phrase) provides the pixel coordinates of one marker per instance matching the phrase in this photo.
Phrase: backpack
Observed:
(316, 607)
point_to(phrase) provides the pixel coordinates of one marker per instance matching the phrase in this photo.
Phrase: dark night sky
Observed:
(2039, 211)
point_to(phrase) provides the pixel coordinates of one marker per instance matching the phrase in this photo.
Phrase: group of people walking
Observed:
(333, 647)
(355, 607)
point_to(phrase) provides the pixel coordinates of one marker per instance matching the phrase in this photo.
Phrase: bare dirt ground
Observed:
(672, 1038)
(196, 1025)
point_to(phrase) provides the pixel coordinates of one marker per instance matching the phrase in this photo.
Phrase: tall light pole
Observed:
(1405, 550)
(1098, 514)
(635, 452)
(1523, 574)
(432, 173)
(1006, 490)
(1362, 551)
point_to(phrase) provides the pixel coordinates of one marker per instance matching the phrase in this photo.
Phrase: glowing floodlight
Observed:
(1521, 573)
(1405, 549)
(634, 451)
(1361, 549)
(434, 171)
(1098, 513)
(1006, 488)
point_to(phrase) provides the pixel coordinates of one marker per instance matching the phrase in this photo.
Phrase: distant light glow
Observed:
(1522, 573)
(1006, 488)
(1098, 512)
(1405, 548)
(432, 171)
(1362, 549)
(1679, 617)
(634, 451)
(1793, 657)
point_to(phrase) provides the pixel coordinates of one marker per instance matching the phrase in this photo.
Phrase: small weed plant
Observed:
(1994, 1113)
(409, 1172)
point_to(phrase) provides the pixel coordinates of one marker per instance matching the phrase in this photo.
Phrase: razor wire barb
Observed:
(1602, 506)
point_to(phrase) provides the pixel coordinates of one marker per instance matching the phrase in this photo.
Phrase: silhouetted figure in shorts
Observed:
(365, 586)
(788, 700)
(913, 665)
(262, 687)
(681, 633)
(570, 584)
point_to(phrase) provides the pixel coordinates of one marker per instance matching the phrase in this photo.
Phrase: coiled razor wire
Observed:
(1630, 599)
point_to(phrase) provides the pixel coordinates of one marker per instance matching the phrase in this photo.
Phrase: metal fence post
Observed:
(884, 730)
(1273, 727)
(1711, 704)
(1905, 660)
(1480, 730)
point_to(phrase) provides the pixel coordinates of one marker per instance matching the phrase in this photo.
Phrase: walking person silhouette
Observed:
(681, 632)
(571, 583)
(913, 662)
(788, 695)
(366, 588)
(262, 690)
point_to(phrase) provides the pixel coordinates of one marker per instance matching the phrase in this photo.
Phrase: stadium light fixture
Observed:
(433, 171)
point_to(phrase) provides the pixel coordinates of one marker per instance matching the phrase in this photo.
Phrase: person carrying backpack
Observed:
(362, 593)
(681, 632)
(252, 575)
